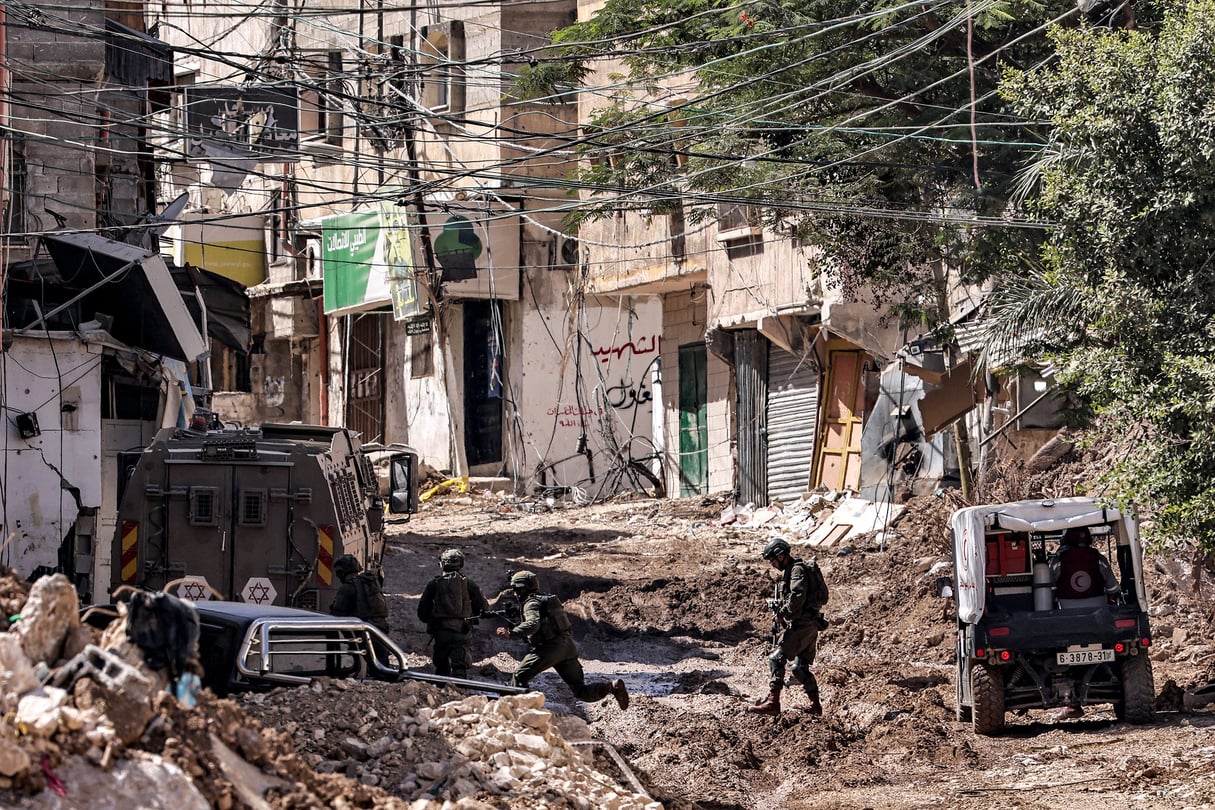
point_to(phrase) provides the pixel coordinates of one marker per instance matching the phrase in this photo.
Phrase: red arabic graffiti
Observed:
(636, 347)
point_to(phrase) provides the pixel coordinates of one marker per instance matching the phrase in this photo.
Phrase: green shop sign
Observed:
(368, 263)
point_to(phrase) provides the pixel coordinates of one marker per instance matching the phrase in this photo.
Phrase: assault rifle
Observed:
(774, 605)
(512, 614)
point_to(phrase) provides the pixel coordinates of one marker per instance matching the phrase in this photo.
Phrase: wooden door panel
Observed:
(839, 462)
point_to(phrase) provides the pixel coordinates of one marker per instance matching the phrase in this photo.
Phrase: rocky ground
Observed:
(669, 595)
(673, 602)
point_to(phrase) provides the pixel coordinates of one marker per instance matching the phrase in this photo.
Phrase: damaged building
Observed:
(104, 341)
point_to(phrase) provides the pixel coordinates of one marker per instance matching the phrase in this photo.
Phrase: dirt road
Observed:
(673, 602)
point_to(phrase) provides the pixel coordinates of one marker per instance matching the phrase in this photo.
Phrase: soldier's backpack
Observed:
(554, 622)
(816, 592)
(370, 603)
(451, 597)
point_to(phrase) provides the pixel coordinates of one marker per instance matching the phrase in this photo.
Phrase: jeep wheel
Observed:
(1138, 704)
(987, 690)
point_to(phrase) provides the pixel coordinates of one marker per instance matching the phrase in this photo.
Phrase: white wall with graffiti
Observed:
(592, 380)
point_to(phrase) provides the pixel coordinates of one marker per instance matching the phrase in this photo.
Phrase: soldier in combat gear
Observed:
(448, 606)
(360, 594)
(546, 627)
(796, 607)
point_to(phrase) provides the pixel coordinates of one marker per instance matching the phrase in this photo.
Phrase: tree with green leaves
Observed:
(1123, 296)
(874, 129)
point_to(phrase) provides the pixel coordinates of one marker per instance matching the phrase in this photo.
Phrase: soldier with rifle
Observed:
(798, 599)
(543, 623)
(449, 606)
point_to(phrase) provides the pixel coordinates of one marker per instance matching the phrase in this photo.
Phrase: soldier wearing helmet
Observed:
(448, 606)
(361, 593)
(546, 628)
(796, 606)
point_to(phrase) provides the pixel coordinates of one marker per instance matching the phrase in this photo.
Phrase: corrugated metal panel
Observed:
(750, 375)
(793, 384)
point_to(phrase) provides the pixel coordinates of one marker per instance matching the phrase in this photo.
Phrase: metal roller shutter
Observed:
(793, 384)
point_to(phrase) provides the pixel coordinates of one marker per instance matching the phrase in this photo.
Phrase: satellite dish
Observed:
(173, 211)
(157, 224)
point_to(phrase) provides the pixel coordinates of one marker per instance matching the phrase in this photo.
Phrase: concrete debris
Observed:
(108, 670)
(440, 749)
(13, 759)
(40, 711)
(90, 725)
(49, 616)
(16, 671)
(510, 746)
(852, 518)
(250, 783)
(822, 518)
(145, 781)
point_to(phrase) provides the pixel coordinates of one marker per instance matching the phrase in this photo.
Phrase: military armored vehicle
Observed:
(254, 515)
(1034, 635)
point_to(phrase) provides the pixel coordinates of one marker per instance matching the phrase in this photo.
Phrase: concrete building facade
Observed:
(414, 281)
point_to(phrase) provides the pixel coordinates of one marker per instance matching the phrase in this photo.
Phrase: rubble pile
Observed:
(87, 722)
(418, 743)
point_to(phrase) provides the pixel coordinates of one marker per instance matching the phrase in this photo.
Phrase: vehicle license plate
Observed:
(1085, 657)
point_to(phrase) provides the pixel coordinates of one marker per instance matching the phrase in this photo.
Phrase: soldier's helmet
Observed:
(776, 545)
(346, 565)
(524, 581)
(451, 560)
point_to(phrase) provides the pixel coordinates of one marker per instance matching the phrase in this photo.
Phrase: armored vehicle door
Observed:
(228, 523)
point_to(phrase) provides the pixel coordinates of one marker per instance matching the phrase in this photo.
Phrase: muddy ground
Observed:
(670, 600)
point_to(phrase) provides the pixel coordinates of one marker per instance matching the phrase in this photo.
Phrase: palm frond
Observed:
(1031, 316)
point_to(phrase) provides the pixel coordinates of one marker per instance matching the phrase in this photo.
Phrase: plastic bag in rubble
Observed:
(165, 629)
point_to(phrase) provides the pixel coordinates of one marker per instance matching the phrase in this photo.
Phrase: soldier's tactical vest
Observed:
(370, 602)
(451, 597)
(554, 622)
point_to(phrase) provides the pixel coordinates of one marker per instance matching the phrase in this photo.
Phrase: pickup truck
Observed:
(249, 647)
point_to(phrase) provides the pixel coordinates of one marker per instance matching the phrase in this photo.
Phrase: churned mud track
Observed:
(673, 602)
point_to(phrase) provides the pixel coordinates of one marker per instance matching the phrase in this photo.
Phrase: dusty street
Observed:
(673, 602)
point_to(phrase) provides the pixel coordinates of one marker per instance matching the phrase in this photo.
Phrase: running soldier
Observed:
(546, 628)
(448, 606)
(796, 607)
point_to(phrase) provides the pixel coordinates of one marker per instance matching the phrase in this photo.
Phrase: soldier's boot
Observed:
(815, 707)
(620, 693)
(769, 705)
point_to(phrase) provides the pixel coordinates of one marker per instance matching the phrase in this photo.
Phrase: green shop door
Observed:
(693, 427)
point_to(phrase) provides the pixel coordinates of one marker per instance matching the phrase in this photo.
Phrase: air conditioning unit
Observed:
(312, 259)
(566, 251)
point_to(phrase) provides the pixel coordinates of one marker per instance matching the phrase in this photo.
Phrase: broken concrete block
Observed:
(39, 710)
(16, 671)
(50, 613)
(13, 760)
(128, 716)
(109, 670)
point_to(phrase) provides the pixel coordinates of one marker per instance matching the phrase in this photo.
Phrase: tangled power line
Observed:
(377, 89)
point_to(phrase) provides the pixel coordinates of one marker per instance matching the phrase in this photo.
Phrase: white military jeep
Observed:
(1017, 647)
